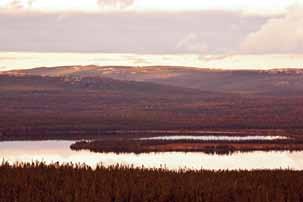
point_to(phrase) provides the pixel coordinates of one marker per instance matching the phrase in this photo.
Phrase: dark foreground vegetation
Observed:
(55, 183)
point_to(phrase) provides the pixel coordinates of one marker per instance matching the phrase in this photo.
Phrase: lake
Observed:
(59, 151)
(217, 138)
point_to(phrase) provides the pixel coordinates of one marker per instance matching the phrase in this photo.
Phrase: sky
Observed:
(233, 34)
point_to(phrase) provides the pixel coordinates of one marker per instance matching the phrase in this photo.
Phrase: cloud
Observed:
(193, 43)
(15, 5)
(18, 5)
(214, 32)
(217, 57)
(268, 7)
(115, 3)
(3, 58)
(280, 35)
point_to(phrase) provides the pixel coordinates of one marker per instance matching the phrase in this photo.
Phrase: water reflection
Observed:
(217, 138)
(58, 151)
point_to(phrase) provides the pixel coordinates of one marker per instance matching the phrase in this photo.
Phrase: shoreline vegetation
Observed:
(36, 182)
(137, 141)
(18, 133)
(219, 147)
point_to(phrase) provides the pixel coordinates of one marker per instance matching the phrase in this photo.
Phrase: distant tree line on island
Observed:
(126, 145)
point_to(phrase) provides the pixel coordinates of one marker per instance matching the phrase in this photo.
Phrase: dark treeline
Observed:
(124, 145)
(70, 183)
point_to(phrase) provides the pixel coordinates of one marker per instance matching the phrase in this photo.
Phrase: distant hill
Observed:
(28, 83)
(271, 82)
(33, 106)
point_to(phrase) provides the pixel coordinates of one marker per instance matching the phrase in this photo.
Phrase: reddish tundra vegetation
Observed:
(115, 109)
(54, 102)
(66, 183)
(93, 102)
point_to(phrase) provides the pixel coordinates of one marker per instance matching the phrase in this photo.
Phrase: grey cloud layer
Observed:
(187, 32)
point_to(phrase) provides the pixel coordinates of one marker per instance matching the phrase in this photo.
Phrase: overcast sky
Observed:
(211, 29)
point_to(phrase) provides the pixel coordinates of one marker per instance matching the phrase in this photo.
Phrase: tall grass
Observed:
(37, 182)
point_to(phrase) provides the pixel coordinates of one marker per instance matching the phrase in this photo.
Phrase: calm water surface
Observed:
(58, 151)
(217, 138)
